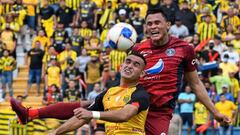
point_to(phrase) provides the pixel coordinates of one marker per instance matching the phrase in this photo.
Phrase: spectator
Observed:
(178, 29)
(112, 81)
(229, 109)
(210, 89)
(87, 11)
(108, 15)
(96, 91)
(187, 17)
(71, 73)
(66, 55)
(233, 55)
(227, 94)
(138, 22)
(82, 60)
(123, 6)
(170, 10)
(9, 39)
(52, 95)
(93, 72)
(122, 17)
(60, 37)
(65, 16)
(85, 31)
(104, 59)
(235, 89)
(228, 35)
(8, 66)
(219, 80)
(31, 13)
(226, 66)
(94, 44)
(46, 61)
(34, 60)
(201, 116)
(46, 18)
(186, 101)
(207, 29)
(77, 41)
(44, 41)
(53, 74)
(230, 18)
(116, 58)
(72, 94)
(207, 56)
(218, 45)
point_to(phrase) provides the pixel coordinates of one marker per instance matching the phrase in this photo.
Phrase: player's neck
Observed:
(127, 84)
(163, 41)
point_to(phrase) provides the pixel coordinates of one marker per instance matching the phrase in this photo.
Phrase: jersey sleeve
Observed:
(140, 98)
(189, 59)
(97, 105)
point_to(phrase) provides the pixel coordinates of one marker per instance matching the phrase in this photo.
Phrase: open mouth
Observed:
(127, 71)
(155, 33)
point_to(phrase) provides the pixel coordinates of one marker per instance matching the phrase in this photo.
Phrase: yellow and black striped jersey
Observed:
(74, 4)
(116, 58)
(207, 30)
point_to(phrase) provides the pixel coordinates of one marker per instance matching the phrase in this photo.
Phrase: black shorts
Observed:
(100, 127)
(187, 118)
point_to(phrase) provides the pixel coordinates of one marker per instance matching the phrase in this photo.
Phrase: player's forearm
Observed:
(122, 115)
(201, 93)
(70, 125)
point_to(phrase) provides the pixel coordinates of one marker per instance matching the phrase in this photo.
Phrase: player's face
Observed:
(132, 67)
(156, 26)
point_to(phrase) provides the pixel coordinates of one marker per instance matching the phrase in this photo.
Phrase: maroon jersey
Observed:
(165, 69)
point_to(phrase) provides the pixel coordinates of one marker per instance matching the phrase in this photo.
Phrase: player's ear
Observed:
(142, 73)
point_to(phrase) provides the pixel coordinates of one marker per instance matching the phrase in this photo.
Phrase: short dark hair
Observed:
(222, 94)
(138, 55)
(155, 11)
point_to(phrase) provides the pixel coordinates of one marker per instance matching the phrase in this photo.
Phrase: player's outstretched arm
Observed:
(201, 93)
(69, 125)
(122, 115)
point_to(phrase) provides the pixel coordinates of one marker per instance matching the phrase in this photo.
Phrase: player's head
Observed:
(157, 24)
(133, 66)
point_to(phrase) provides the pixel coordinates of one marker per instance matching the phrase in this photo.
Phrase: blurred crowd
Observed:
(69, 54)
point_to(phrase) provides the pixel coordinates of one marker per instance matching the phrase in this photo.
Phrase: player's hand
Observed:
(52, 133)
(81, 113)
(222, 119)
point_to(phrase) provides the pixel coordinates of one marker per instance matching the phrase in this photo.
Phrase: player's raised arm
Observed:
(201, 93)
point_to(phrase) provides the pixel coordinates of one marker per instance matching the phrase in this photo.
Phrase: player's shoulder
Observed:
(144, 44)
(140, 91)
(178, 42)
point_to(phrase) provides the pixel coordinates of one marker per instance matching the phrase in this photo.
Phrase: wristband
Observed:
(96, 114)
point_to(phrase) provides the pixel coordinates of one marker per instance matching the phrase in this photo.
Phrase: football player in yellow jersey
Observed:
(124, 107)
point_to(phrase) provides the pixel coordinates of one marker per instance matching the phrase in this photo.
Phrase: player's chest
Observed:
(117, 99)
(163, 60)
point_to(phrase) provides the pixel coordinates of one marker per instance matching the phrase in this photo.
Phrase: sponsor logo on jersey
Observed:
(156, 69)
